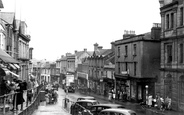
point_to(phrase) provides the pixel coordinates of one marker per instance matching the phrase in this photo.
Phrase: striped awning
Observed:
(6, 57)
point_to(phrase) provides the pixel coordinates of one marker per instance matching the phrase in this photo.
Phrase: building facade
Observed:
(23, 50)
(172, 38)
(55, 73)
(97, 74)
(136, 66)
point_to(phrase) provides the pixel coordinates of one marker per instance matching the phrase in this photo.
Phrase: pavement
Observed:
(52, 109)
(136, 106)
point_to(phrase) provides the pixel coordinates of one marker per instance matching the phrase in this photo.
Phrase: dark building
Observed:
(137, 63)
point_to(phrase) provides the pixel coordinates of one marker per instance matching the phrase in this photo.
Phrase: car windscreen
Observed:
(121, 107)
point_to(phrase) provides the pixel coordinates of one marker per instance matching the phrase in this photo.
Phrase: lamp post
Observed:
(146, 94)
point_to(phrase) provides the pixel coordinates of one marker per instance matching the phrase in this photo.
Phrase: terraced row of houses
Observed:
(149, 63)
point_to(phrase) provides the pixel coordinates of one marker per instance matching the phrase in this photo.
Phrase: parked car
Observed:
(86, 98)
(81, 105)
(117, 111)
(96, 109)
(71, 89)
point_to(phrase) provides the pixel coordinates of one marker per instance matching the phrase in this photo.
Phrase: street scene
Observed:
(97, 57)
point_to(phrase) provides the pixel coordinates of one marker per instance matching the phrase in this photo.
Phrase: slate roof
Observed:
(102, 52)
(8, 17)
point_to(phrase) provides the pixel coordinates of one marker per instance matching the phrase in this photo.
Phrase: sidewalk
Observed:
(137, 106)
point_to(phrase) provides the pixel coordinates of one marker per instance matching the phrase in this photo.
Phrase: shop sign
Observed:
(82, 75)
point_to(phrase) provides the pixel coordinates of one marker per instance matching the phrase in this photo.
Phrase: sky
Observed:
(58, 27)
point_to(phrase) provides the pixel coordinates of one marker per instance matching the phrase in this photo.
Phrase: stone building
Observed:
(97, 75)
(172, 51)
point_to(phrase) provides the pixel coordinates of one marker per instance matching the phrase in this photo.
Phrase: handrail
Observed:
(5, 97)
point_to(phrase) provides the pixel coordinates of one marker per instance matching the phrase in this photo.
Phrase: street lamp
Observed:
(146, 94)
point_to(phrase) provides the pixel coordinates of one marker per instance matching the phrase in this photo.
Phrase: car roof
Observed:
(119, 110)
(87, 100)
(87, 97)
(107, 105)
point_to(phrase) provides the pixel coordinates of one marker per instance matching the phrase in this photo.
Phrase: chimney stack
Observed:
(85, 49)
(75, 51)
(113, 46)
(95, 47)
(100, 47)
(128, 34)
(156, 31)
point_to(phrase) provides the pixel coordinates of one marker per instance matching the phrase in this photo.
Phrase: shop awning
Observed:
(6, 57)
(5, 71)
(14, 74)
(12, 65)
(17, 66)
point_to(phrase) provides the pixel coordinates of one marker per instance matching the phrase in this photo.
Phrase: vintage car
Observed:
(71, 89)
(86, 98)
(96, 109)
(117, 111)
(81, 105)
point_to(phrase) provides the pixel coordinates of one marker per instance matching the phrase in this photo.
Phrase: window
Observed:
(118, 52)
(119, 67)
(167, 21)
(169, 53)
(126, 66)
(126, 51)
(135, 68)
(181, 53)
(103, 113)
(181, 16)
(172, 20)
(134, 50)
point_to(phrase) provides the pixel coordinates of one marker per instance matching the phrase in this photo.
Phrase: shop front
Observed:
(141, 88)
(107, 85)
(82, 80)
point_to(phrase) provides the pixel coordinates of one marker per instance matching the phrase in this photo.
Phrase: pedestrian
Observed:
(114, 95)
(18, 96)
(158, 102)
(162, 104)
(121, 94)
(150, 99)
(110, 95)
(20, 92)
(167, 103)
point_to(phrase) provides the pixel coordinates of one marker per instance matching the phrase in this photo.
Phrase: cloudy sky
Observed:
(60, 26)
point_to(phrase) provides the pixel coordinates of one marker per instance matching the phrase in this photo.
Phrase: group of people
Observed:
(119, 95)
(19, 87)
(51, 94)
(159, 102)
